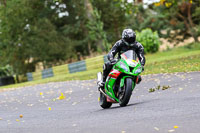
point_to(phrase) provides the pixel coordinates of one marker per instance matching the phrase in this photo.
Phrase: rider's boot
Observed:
(139, 79)
(101, 85)
(106, 69)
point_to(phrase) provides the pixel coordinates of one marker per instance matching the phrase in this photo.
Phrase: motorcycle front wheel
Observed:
(125, 93)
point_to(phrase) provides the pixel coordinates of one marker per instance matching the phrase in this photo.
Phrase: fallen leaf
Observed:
(158, 87)
(151, 90)
(165, 87)
(74, 103)
(41, 93)
(98, 98)
(68, 98)
(21, 116)
(175, 126)
(49, 108)
(69, 91)
(74, 125)
(62, 96)
(180, 89)
(54, 99)
(172, 130)
(17, 120)
(30, 105)
(156, 128)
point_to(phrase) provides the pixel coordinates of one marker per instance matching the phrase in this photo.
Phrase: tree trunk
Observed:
(89, 48)
(17, 78)
(138, 1)
(4, 2)
(192, 29)
(189, 27)
(89, 11)
(196, 38)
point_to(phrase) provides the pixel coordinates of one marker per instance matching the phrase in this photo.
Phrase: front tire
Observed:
(103, 102)
(125, 95)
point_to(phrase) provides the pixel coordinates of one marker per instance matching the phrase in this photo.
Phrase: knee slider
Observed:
(104, 67)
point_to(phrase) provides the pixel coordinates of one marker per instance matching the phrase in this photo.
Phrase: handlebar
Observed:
(114, 61)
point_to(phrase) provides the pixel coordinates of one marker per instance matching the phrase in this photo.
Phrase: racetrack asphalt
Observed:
(176, 109)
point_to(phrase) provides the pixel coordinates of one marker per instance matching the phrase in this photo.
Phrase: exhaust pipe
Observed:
(107, 95)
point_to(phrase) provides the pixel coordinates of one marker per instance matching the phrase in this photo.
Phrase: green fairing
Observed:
(122, 82)
(110, 88)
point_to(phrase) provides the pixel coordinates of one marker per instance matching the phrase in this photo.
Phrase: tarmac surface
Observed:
(43, 109)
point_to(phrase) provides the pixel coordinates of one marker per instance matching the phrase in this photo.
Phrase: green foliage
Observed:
(159, 87)
(29, 35)
(113, 15)
(181, 18)
(13, 22)
(6, 71)
(96, 33)
(192, 46)
(33, 32)
(149, 39)
(174, 20)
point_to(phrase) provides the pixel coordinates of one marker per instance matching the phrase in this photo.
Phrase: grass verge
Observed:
(177, 60)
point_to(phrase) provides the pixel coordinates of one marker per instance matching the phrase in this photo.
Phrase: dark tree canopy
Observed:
(61, 31)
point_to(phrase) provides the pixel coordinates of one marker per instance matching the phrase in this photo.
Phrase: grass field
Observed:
(181, 59)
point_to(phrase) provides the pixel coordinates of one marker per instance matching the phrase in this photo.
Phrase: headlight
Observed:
(132, 63)
(123, 66)
(139, 70)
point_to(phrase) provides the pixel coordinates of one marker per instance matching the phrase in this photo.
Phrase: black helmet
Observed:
(128, 36)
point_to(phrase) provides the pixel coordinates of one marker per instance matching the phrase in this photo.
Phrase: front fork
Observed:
(122, 82)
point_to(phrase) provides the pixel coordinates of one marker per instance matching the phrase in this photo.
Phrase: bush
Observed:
(193, 46)
(6, 71)
(149, 39)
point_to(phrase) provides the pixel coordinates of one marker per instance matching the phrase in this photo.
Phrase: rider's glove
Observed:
(142, 68)
(113, 61)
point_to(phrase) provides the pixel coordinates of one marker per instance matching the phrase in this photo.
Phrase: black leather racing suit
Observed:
(121, 47)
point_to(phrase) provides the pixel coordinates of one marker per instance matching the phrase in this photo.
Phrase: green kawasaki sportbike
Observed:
(121, 80)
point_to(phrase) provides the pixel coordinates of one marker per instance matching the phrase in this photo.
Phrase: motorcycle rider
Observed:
(128, 42)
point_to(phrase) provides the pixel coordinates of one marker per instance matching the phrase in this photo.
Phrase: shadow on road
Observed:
(129, 105)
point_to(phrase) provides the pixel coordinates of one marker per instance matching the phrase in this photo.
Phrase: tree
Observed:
(113, 17)
(6, 71)
(181, 16)
(29, 35)
(96, 33)
(3, 1)
(84, 27)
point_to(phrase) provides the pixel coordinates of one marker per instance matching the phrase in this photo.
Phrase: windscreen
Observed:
(130, 54)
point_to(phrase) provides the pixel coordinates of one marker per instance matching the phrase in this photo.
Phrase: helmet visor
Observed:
(130, 40)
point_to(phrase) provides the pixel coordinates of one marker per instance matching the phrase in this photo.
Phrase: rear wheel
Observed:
(103, 102)
(126, 92)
